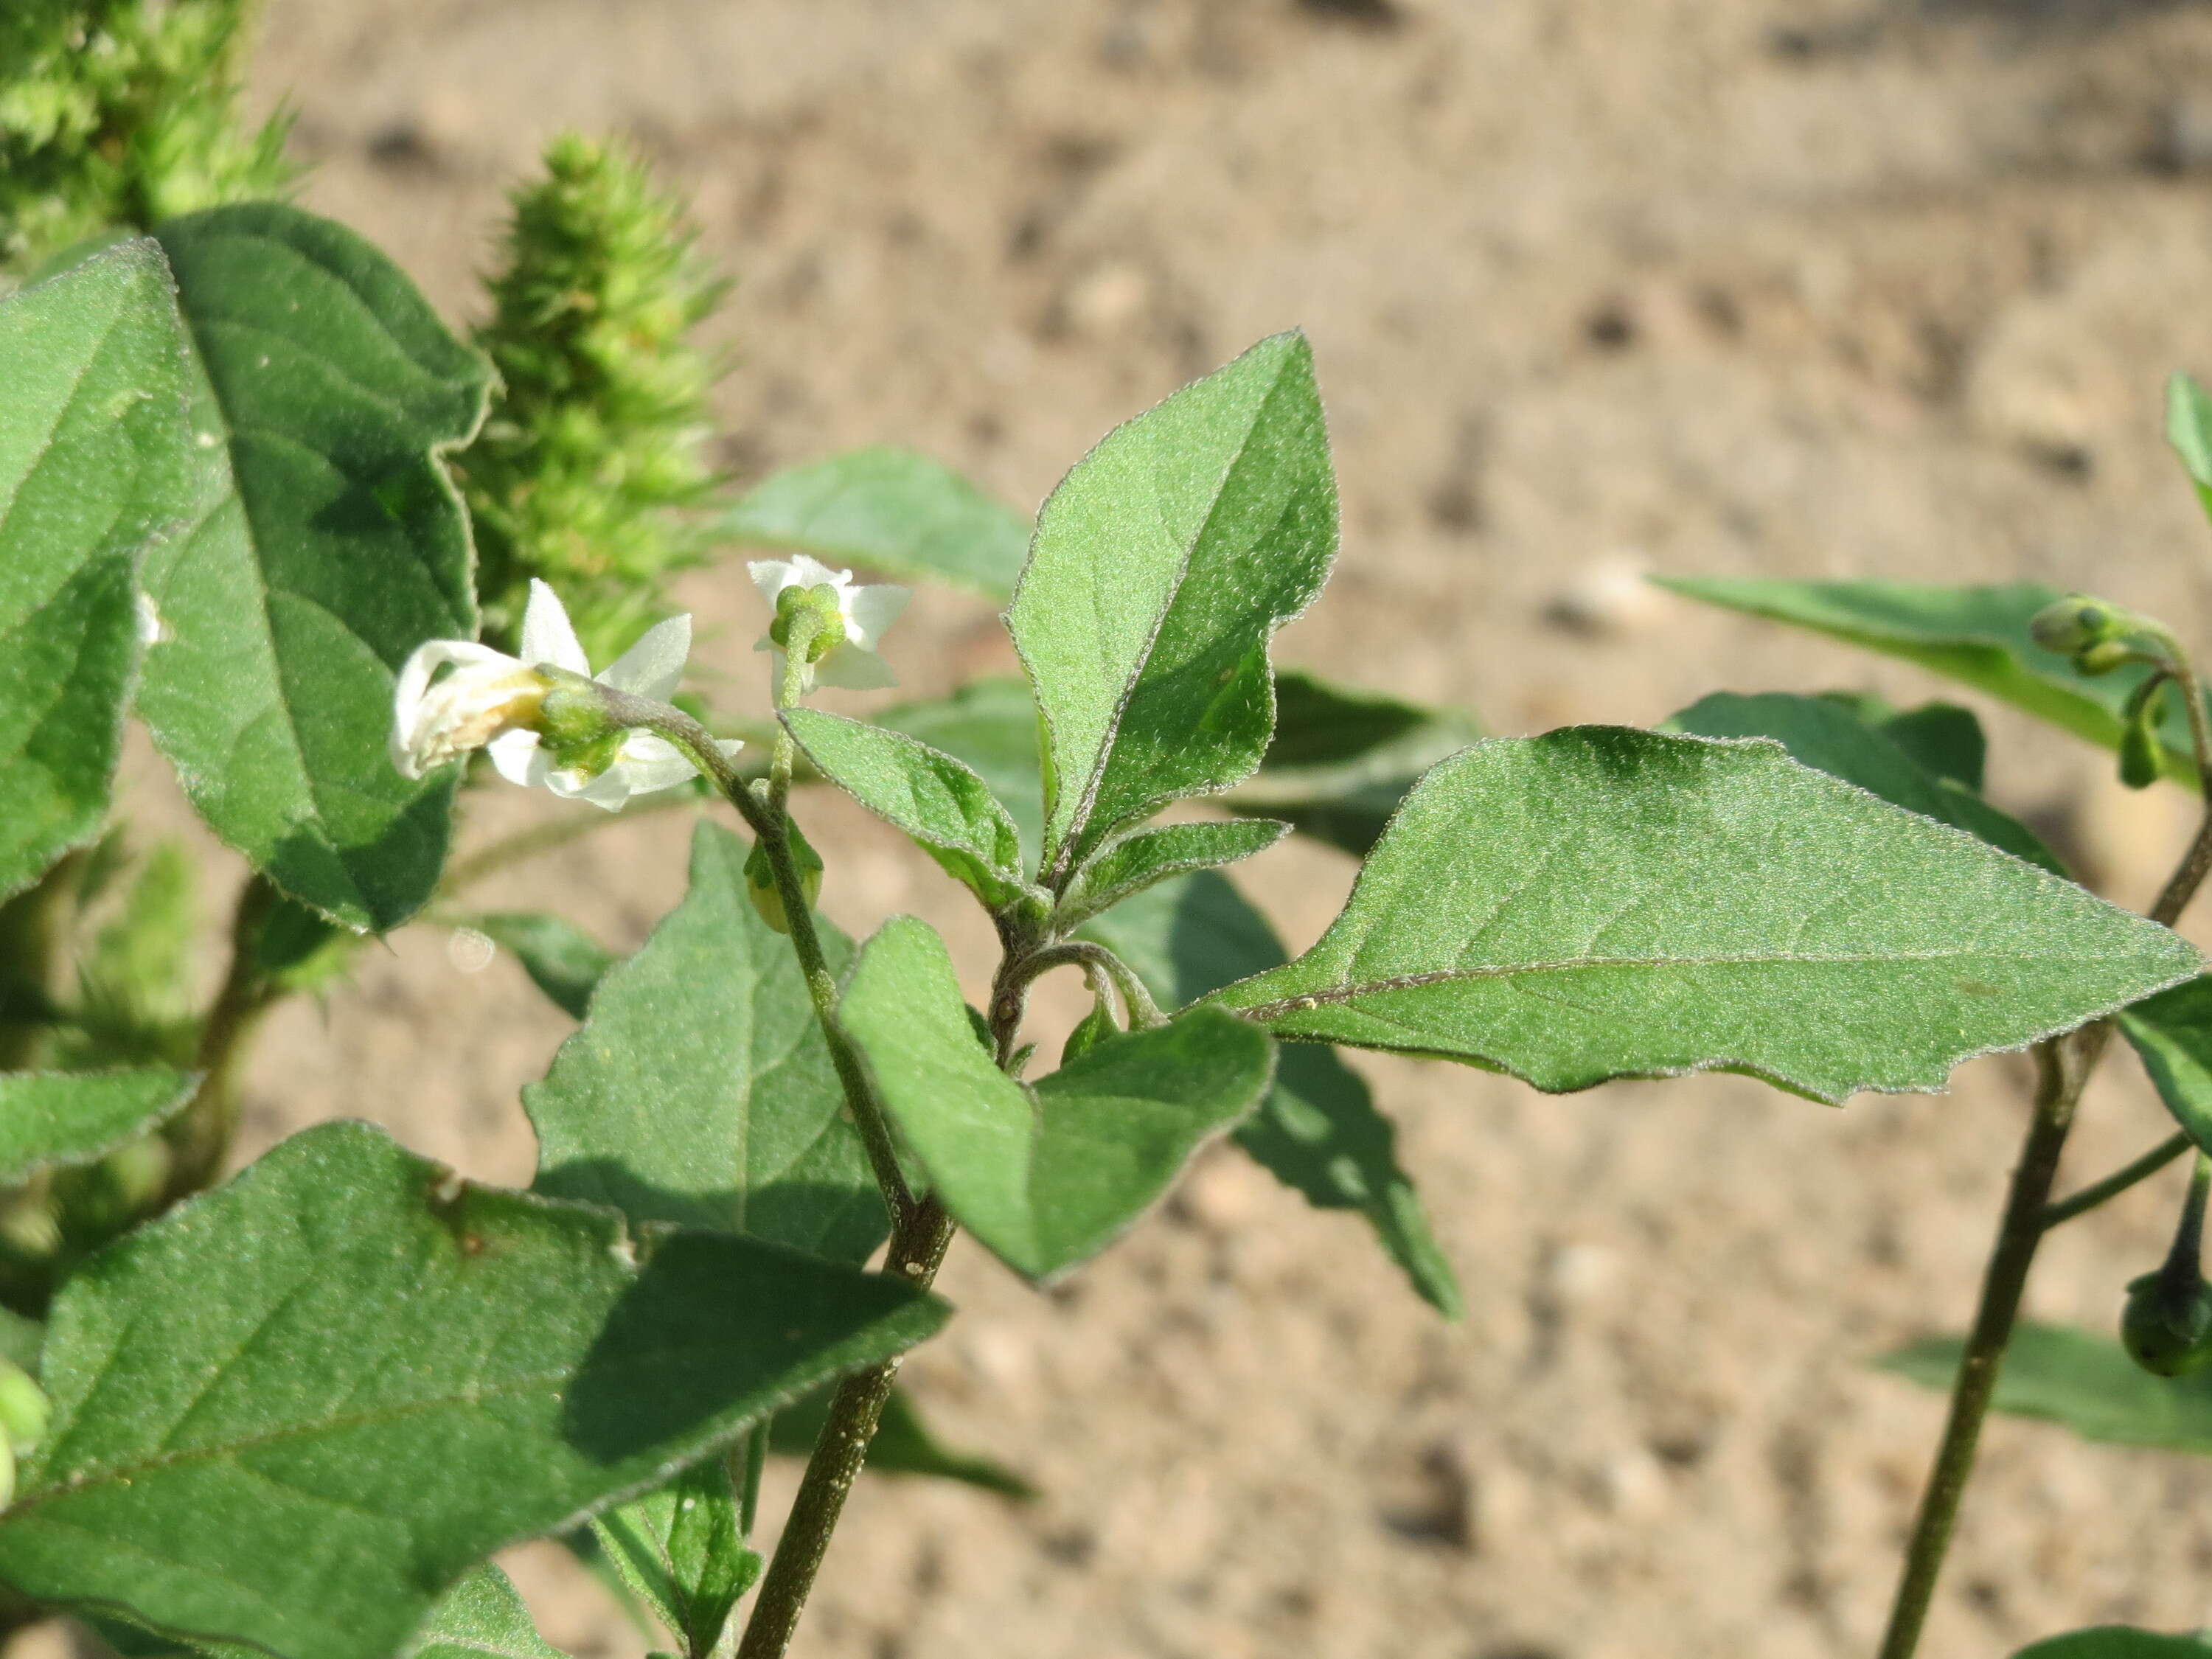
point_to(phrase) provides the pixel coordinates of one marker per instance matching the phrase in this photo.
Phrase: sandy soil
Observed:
(1847, 289)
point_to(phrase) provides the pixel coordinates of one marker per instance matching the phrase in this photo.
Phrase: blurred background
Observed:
(1874, 287)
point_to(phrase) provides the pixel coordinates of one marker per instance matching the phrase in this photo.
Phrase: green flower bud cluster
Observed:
(119, 113)
(2092, 632)
(597, 446)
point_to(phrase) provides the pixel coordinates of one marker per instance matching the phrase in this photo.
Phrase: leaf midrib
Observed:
(1079, 818)
(1350, 991)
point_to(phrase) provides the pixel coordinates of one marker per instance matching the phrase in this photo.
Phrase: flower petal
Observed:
(414, 683)
(609, 792)
(851, 669)
(870, 610)
(547, 634)
(651, 667)
(518, 758)
(648, 764)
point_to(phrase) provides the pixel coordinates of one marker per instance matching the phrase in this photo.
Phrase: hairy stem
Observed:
(698, 745)
(917, 1250)
(2120, 1179)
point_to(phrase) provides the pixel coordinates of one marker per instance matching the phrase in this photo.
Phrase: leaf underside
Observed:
(1976, 635)
(887, 510)
(2172, 1034)
(2080, 1379)
(1601, 903)
(1319, 1130)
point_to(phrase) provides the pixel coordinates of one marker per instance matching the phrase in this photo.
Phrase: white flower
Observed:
(491, 700)
(866, 612)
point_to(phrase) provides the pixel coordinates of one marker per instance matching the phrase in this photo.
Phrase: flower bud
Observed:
(2075, 624)
(1093, 1029)
(25, 1411)
(760, 877)
(2141, 760)
(2167, 1335)
(2105, 657)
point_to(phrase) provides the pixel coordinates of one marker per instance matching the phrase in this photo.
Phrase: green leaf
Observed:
(2084, 1380)
(92, 473)
(562, 959)
(482, 1618)
(1045, 1178)
(2172, 1036)
(51, 1120)
(1944, 740)
(991, 726)
(939, 801)
(1318, 1131)
(1820, 733)
(904, 1444)
(891, 510)
(2188, 429)
(325, 545)
(1162, 567)
(1343, 758)
(293, 1411)
(1129, 866)
(679, 1549)
(2119, 1642)
(1601, 903)
(1976, 635)
(700, 1091)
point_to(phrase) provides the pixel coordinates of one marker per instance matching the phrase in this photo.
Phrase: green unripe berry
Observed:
(760, 878)
(2167, 1335)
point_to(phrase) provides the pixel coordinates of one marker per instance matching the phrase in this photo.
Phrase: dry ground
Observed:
(1708, 285)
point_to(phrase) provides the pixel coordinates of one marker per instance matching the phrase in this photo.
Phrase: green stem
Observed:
(2120, 1179)
(917, 1251)
(2064, 1068)
(698, 745)
(1144, 1014)
(2185, 1262)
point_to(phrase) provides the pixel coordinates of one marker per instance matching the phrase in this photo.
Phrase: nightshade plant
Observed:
(296, 1411)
